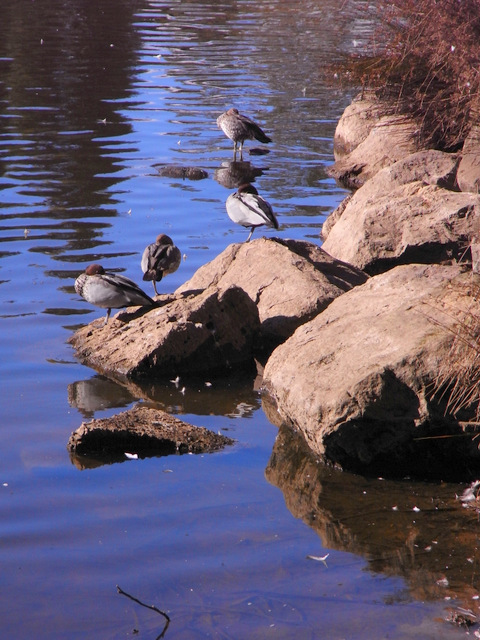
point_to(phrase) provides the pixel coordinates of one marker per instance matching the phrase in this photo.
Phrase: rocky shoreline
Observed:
(353, 333)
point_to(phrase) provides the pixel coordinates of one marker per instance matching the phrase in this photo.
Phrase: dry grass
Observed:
(426, 65)
(458, 379)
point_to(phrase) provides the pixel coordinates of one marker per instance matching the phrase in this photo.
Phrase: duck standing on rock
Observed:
(239, 128)
(249, 209)
(159, 259)
(110, 290)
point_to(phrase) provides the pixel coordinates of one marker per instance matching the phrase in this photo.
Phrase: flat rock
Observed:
(290, 281)
(142, 431)
(203, 331)
(406, 213)
(357, 380)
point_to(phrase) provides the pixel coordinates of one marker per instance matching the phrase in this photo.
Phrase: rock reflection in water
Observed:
(235, 396)
(418, 531)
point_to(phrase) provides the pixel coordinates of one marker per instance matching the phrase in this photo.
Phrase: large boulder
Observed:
(406, 213)
(290, 281)
(366, 141)
(204, 331)
(242, 304)
(469, 168)
(358, 380)
(355, 124)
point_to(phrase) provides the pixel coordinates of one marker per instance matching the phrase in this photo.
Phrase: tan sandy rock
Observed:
(356, 381)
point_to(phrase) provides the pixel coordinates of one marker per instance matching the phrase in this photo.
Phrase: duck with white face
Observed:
(110, 290)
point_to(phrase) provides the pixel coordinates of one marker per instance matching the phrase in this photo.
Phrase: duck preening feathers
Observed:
(110, 290)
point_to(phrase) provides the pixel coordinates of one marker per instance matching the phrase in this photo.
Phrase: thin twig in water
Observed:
(148, 606)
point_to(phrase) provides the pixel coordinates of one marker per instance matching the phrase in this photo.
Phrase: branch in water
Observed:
(148, 606)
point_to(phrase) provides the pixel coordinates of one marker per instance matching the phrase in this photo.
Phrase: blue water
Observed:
(93, 96)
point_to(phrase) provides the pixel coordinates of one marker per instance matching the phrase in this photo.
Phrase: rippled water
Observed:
(95, 97)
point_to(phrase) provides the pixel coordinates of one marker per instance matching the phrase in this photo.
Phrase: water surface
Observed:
(95, 96)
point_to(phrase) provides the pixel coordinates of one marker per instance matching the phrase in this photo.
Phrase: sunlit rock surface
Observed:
(290, 281)
(357, 381)
(469, 169)
(366, 142)
(245, 302)
(406, 213)
(203, 331)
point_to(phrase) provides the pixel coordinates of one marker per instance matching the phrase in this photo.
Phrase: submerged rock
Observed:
(358, 380)
(142, 431)
(181, 172)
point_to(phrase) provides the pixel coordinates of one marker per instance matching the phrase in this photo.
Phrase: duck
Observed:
(160, 259)
(110, 290)
(239, 128)
(248, 208)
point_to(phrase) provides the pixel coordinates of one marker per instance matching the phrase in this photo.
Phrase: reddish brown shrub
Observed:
(427, 65)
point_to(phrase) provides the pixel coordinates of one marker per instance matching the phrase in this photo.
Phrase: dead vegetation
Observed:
(424, 60)
(458, 378)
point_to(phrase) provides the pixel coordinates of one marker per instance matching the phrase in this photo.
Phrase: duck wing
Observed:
(121, 291)
(254, 131)
(256, 208)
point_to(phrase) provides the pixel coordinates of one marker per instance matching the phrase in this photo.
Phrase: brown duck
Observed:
(239, 128)
(159, 259)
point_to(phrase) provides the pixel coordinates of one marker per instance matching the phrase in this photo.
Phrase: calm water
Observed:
(94, 96)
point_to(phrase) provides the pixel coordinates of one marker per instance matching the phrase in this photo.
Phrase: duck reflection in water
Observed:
(97, 394)
(232, 174)
(239, 128)
(110, 290)
(159, 259)
(248, 208)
